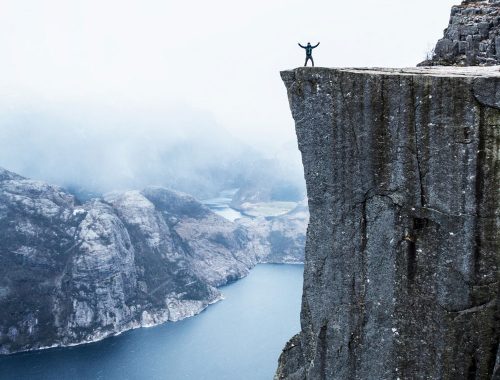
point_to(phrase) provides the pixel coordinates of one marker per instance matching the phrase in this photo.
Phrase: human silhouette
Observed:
(309, 50)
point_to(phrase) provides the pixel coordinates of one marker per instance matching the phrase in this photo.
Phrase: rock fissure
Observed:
(417, 150)
(472, 309)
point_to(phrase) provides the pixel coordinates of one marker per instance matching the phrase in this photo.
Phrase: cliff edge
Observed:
(401, 273)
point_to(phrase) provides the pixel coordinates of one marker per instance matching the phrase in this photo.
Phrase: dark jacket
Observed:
(309, 48)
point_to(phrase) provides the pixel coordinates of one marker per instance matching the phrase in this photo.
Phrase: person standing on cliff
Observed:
(309, 50)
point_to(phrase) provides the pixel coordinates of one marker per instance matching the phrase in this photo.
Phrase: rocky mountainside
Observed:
(281, 238)
(73, 273)
(472, 36)
(401, 272)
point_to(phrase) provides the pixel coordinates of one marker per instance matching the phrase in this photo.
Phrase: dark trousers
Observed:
(309, 58)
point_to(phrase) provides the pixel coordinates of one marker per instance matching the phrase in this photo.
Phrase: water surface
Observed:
(221, 205)
(238, 338)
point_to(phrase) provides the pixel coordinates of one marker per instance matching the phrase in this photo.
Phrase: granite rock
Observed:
(72, 273)
(401, 268)
(471, 38)
(280, 239)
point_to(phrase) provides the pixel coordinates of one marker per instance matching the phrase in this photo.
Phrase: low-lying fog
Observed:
(96, 150)
(98, 96)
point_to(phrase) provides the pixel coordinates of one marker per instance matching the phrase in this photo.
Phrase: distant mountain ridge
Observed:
(73, 273)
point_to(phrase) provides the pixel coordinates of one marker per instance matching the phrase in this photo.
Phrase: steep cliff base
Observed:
(401, 272)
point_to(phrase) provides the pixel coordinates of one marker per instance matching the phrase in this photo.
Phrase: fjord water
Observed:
(240, 337)
(221, 205)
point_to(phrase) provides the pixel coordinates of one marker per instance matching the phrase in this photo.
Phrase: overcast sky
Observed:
(83, 83)
(221, 57)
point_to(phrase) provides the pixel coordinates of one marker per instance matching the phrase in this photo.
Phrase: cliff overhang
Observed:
(401, 271)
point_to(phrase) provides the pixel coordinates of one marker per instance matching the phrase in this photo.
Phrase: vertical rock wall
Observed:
(401, 274)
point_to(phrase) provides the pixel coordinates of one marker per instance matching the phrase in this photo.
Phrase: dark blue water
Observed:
(238, 338)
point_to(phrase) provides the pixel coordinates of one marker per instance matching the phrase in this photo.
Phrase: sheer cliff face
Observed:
(73, 273)
(402, 171)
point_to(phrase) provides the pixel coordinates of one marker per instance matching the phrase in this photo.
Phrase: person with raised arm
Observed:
(309, 48)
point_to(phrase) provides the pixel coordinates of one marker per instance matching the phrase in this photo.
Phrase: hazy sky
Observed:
(222, 57)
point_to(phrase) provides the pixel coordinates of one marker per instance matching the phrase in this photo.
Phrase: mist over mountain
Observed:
(93, 150)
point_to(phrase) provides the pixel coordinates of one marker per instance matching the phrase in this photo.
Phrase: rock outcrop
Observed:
(73, 273)
(472, 36)
(281, 239)
(401, 271)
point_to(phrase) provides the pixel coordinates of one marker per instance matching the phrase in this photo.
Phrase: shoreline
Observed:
(139, 325)
(99, 338)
